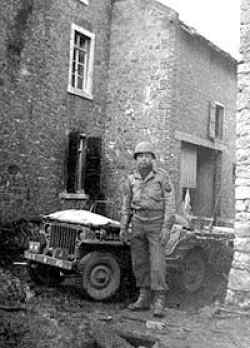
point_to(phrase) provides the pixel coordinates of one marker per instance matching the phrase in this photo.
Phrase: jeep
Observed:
(85, 244)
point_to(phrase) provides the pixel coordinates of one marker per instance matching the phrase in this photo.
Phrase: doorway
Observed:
(198, 178)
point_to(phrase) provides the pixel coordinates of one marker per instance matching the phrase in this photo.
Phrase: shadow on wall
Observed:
(16, 36)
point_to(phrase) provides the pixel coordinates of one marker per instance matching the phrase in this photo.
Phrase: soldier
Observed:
(144, 205)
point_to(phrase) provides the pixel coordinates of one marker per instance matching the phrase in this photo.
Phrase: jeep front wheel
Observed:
(101, 275)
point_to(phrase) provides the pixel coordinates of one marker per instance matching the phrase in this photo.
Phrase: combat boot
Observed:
(143, 301)
(159, 304)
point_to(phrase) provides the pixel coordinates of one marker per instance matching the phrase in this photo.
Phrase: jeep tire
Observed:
(193, 271)
(101, 275)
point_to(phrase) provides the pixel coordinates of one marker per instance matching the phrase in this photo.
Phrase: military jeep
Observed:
(87, 245)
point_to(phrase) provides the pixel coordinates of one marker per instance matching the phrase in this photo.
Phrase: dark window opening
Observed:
(216, 120)
(219, 117)
(93, 167)
(234, 173)
(83, 168)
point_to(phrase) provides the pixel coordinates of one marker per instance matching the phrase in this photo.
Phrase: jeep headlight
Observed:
(34, 247)
(86, 233)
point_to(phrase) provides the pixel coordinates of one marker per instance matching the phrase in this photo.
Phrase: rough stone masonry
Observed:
(239, 281)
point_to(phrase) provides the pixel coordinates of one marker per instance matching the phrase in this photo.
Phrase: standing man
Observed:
(144, 205)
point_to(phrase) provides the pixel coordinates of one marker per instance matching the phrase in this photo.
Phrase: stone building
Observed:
(43, 100)
(83, 80)
(169, 84)
(239, 281)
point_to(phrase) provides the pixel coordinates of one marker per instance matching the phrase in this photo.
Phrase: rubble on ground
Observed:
(13, 291)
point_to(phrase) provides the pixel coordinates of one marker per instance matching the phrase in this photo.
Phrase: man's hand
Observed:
(165, 235)
(124, 236)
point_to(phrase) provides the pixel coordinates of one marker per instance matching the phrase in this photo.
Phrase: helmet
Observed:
(143, 147)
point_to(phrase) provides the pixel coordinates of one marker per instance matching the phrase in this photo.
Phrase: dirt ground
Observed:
(62, 317)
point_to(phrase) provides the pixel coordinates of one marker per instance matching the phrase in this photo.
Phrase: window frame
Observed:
(87, 91)
(219, 131)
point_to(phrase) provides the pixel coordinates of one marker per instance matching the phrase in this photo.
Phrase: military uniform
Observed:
(144, 205)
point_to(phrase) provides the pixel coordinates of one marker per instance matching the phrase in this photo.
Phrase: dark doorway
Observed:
(204, 198)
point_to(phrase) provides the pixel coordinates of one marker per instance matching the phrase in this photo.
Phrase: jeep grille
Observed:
(63, 236)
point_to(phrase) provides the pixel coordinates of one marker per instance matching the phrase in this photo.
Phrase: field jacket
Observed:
(145, 197)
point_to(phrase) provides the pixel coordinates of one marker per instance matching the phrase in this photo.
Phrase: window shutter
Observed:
(212, 121)
(72, 158)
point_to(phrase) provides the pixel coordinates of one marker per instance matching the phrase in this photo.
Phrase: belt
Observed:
(148, 214)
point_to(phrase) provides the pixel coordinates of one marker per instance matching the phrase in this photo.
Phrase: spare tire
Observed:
(193, 271)
(101, 275)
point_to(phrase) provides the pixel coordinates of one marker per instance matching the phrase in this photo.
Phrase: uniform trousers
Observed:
(148, 257)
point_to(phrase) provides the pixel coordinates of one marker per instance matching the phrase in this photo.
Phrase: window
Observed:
(216, 121)
(81, 62)
(234, 173)
(219, 117)
(75, 162)
(83, 164)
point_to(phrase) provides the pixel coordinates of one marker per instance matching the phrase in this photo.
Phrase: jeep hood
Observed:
(82, 217)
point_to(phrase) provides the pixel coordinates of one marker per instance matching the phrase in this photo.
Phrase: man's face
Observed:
(144, 160)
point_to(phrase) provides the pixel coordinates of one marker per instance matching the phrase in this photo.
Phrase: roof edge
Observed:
(193, 32)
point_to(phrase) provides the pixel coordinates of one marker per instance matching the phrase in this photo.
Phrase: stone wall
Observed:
(157, 79)
(36, 111)
(204, 75)
(239, 281)
(140, 89)
(161, 80)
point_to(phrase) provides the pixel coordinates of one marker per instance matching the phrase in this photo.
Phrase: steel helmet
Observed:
(143, 147)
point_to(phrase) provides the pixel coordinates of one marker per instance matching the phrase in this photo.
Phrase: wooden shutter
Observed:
(188, 166)
(212, 121)
(71, 163)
